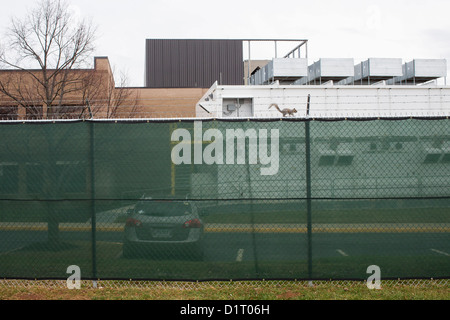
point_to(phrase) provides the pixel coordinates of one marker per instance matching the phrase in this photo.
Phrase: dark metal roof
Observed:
(193, 63)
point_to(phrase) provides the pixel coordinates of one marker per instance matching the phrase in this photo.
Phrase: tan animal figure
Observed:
(285, 111)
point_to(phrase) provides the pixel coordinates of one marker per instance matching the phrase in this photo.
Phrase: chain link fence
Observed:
(192, 285)
(184, 202)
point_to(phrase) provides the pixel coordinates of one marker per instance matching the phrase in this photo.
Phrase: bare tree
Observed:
(45, 46)
(45, 52)
(121, 100)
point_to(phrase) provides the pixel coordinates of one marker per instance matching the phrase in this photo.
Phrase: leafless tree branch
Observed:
(49, 39)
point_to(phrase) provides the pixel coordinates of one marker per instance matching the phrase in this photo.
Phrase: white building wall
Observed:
(331, 100)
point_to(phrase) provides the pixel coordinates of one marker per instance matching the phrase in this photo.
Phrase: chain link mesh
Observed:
(120, 284)
(248, 199)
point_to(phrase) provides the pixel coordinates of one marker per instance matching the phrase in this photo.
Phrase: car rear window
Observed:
(163, 208)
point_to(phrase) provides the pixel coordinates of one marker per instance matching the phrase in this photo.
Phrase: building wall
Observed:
(25, 95)
(327, 101)
(165, 102)
(105, 99)
(193, 63)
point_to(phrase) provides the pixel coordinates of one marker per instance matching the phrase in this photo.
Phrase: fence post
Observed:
(308, 189)
(252, 210)
(93, 215)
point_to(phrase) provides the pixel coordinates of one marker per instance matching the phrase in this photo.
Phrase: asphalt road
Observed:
(271, 246)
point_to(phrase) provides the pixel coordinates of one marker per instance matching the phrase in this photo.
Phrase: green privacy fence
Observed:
(225, 199)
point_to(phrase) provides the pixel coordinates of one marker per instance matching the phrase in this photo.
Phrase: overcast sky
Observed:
(335, 29)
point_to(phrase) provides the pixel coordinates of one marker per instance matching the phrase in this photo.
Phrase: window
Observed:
(327, 160)
(446, 158)
(344, 160)
(8, 112)
(432, 158)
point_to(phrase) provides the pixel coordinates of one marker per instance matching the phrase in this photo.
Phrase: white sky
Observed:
(356, 29)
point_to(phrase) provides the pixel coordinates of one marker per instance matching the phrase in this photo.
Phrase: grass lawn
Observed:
(226, 290)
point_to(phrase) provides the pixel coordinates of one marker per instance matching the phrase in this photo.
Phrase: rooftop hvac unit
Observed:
(422, 70)
(376, 69)
(257, 77)
(326, 69)
(286, 69)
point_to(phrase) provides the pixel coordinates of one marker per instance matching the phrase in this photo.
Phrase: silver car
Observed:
(161, 228)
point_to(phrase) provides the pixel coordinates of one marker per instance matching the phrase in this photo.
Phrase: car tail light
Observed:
(131, 222)
(194, 223)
